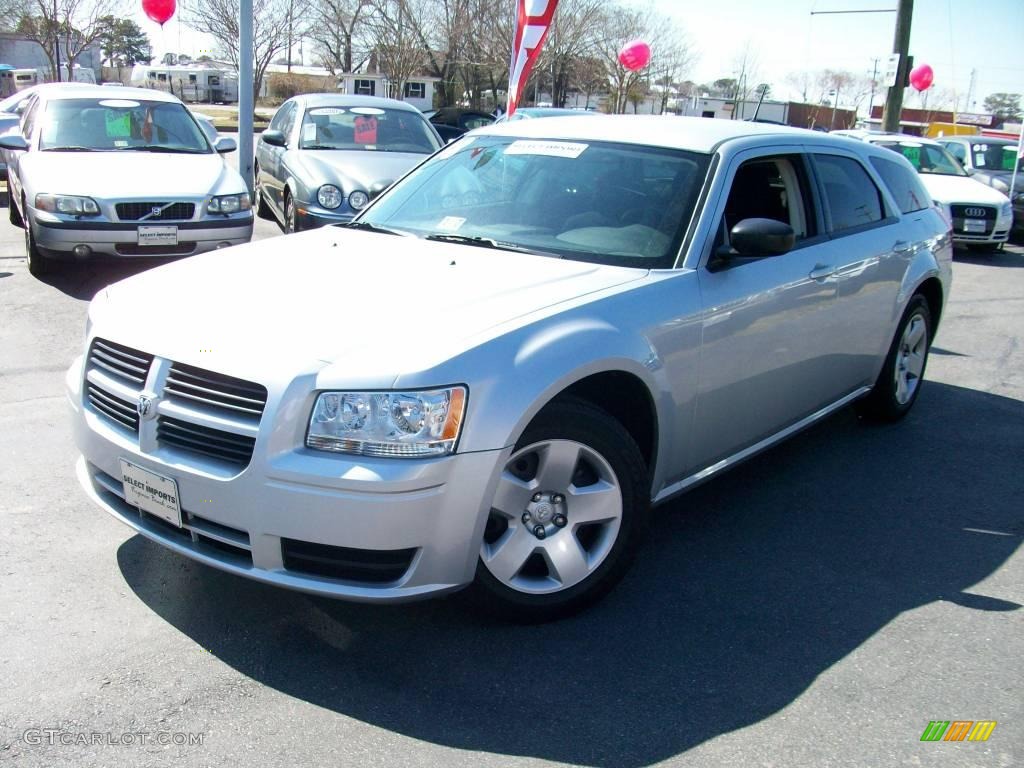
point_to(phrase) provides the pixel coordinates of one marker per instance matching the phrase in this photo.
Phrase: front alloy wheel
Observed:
(289, 215)
(567, 514)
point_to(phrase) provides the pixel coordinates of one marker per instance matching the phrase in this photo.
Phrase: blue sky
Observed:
(953, 36)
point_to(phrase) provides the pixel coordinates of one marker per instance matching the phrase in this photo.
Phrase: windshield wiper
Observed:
(161, 148)
(488, 242)
(369, 227)
(71, 148)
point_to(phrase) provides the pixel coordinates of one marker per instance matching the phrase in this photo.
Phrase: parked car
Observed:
(452, 122)
(325, 156)
(494, 371)
(981, 216)
(529, 113)
(120, 172)
(990, 160)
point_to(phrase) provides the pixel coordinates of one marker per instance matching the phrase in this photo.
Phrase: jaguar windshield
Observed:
(600, 202)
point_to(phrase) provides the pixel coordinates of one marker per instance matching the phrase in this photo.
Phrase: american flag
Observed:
(533, 17)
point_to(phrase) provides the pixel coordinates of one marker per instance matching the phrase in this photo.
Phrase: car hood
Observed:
(376, 305)
(961, 189)
(350, 169)
(127, 175)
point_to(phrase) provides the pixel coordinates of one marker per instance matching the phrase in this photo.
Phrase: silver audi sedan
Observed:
(492, 375)
(121, 172)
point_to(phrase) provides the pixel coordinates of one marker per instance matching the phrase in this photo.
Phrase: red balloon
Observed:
(922, 77)
(635, 55)
(159, 10)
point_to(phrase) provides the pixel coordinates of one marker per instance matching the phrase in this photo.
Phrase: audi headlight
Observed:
(329, 196)
(229, 203)
(70, 205)
(393, 424)
(1006, 210)
(358, 200)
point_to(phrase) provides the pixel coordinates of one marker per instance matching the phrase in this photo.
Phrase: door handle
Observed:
(821, 272)
(901, 247)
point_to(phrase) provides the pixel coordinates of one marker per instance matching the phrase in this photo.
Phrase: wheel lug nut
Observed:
(539, 532)
(560, 520)
(558, 498)
(537, 496)
(526, 518)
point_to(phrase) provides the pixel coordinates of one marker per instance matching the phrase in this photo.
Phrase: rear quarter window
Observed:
(904, 185)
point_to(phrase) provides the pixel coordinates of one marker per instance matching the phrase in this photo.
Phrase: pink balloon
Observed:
(922, 77)
(159, 11)
(635, 55)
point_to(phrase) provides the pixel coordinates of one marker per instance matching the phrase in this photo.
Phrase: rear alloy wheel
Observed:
(902, 374)
(567, 515)
(38, 264)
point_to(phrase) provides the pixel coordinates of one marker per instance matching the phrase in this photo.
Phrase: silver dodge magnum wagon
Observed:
(493, 373)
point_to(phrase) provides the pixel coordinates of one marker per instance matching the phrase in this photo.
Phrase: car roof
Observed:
(353, 100)
(998, 140)
(55, 91)
(876, 138)
(696, 134)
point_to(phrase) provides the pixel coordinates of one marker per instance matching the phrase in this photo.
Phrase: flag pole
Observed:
(1016, 163)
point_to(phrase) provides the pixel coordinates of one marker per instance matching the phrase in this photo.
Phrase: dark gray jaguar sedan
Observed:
(325, 156)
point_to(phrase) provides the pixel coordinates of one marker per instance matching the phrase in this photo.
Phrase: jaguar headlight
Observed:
(358, 200)
(388, 424)
(229, 203)
(329, 196)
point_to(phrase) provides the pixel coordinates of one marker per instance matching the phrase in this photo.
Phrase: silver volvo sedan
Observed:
(121, 172)
(495, 371)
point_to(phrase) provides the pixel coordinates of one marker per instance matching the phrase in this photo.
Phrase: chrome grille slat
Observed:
(185, 432)
(211, 401)
(218, 381)
(123, 362)
(173, 383)
(145, 360)
(115, 362)
(105, 406)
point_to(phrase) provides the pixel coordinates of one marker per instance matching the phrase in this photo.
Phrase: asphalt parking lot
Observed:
(817, 606)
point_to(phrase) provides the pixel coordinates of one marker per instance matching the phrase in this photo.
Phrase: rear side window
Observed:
(904, 184)
(853, 199)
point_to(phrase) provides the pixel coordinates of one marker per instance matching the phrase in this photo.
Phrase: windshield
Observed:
(995, 157)
(120, 124)
(595, 201)
(366, 129)
(926, 158)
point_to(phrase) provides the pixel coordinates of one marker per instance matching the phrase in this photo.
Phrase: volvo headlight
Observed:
(358, 200)
(70, 205)
(329, 196)
(229, 203)
(393, 424)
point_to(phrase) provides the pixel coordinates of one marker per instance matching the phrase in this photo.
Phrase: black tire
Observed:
(260, 201)
(884, 403)
(291, 223)
(578, 421)
(38, 263)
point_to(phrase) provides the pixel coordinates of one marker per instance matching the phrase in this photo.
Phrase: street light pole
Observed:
(56, 40)
(901, 47)
(245, 92)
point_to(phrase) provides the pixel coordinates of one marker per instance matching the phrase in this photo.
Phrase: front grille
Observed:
(224, 395)
(377, 566)
(227, 446)
(136, 211)
(984, 213)
(126, 364)
(114, 408)
(132, 249)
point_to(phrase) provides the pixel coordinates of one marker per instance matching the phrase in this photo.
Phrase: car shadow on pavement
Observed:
(1005, 258)
(84, 280)
(748, 589)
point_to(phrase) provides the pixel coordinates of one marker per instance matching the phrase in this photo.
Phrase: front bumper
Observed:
(433, 509)
(120, 239)
(312, 216)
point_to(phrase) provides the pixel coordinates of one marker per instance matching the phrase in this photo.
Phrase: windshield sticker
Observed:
(119, 104)
(366, 110)
(309, 131)
(451, 223)
(979, 160)
(568, 149)
(912, 153)
(118, 125)
(326, 111)
(366, 130)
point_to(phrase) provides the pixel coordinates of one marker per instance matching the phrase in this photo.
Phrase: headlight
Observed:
(358, 200)
(1006, 211)
(398, 424)
(70, 205)
(329, 196)
(229, 203)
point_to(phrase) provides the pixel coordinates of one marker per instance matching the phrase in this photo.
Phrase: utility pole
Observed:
(56, 40)
(900, 46)
(246, 92)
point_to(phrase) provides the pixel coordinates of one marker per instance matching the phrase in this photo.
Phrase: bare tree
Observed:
(270, 35)
(335, 30)
(11, 12)
(396, 45)
(73, 25)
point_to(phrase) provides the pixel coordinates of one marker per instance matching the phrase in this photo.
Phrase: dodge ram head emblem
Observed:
(144, 407)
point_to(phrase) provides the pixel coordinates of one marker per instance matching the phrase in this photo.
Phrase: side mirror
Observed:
(225, 144)
(13, 141)
(274, 138)
(762, 237)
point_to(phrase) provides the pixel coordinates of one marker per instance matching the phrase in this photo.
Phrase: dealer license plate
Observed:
(151, 492)
(158, 235)
(974, 225)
